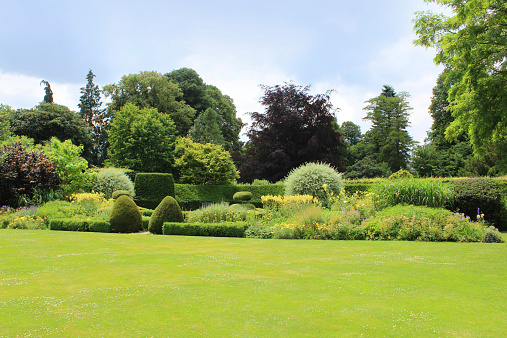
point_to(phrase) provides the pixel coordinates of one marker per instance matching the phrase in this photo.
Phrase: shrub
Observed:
(151, 188)
(424, 192)
(167, 211)
(110, 180)
(402, 173)
(226, 229)
(22, 172)
(480, 196)
(242, 196)
(310, 179)
(118, 193)
(125, 216)
(72, 224)
(216, 213)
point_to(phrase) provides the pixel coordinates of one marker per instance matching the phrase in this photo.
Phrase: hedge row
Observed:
(72, 224)
(227, 229)
(151, 188)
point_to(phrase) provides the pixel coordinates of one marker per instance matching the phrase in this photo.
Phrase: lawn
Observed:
(93, 284)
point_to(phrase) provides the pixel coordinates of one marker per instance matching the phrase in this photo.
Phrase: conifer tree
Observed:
(206, 128)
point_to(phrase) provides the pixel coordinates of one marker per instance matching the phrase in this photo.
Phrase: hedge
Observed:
(226, 229)
(151, 188)
(73, 224)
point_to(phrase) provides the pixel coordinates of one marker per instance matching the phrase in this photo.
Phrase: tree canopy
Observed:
(472, 44)
(295, 128)
(206, 129)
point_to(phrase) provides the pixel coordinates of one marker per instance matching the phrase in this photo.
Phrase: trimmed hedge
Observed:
(226, 229)
(352, 188)
(151, 188)
(73, 224)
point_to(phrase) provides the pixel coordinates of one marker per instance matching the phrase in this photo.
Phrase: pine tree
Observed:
(48, 97)
(206, 128)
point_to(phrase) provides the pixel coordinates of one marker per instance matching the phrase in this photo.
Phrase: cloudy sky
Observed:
(353, 47)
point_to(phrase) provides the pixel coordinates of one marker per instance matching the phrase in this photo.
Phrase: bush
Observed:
(110, 180)
(118, 193)
(480, 196)
(167, 211)
(23, 172)
(151, 188)
(216, 213)
(402, 173)
(424, 192)
(242, 196)
(226, 229)
(310, 178)
(72, 224)
(125, 216)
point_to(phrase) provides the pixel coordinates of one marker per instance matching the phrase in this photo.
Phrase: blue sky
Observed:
(353, 47)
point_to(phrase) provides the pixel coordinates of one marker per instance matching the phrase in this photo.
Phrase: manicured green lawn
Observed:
(73, 284)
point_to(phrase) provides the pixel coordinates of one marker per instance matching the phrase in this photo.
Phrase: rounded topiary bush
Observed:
(110, 180)
(167, 211)
(310, 179)
(242, 196)
(118, 193)
(125, 216)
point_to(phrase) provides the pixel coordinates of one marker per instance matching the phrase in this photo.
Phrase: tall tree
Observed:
(48, 97)
(206, 129)
(388, 136)
(351, 133)
(472, 43)
(96, 118)
(5, 116)
(295, 128)
(151, 89)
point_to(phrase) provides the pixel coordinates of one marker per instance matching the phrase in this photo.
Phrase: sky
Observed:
(353, 47)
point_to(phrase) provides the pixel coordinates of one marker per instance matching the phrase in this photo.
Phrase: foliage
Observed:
(242, 196)
(388, 137)
(152, 188)
(23, 172)
(296, 201)
(217, 213)
(260, 182)
(119, 193)
(430, 161)
(402, 173)
(110, 179)
(48, 120)
(206, 129)
(95, 117)
(295, 128)
(125, 216)
(413, 191)
(72, 224)
(312, 179)
(471, 44)
(141, 139)
(48, 96)
(151, 90)
(351, 133)
(225, 229)
(72, 168)
(5, 113)
(91, 204)
(167, 211)
(197, 163)
(477, 196)
(367, 167)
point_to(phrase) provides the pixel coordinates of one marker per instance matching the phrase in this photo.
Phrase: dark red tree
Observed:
(295, 128)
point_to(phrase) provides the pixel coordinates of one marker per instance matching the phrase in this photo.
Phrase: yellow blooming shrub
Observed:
(275, 202)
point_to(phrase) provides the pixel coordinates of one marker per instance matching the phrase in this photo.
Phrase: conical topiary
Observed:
(167, 211)
(125, 216)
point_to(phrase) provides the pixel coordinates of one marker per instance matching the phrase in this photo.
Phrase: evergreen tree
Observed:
(206, 129)
(388, 137)
(48, 97)
(96, 117)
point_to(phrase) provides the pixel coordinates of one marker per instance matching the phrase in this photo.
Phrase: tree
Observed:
(151, 90)
(201, 97)
(206, 129)
(49, 120)
(388, 138)
(200, 164)
(142, 139)
(295, 128)
(472, 44)
(351, 133)
(96, 118)
(48, 97)
(367, 167)
(5, 116)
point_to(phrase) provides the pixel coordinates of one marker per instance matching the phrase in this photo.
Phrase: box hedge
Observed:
(226, 229)
(73, 224)
(151, 188)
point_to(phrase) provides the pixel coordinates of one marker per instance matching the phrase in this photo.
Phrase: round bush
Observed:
(167, 211)
(242, 196)
(240, 207)
(402, 173)
(118, 193)
(310, 178)
(125, 216)
(110, 180)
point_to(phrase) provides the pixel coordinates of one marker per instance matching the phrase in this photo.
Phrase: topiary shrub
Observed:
(167, 211)
(310, 179)
(110, 180)
(125, 216)
(118, 193)
(402, 173)
(243, 206)
(151, 188)
(242, 196)
(480, 196)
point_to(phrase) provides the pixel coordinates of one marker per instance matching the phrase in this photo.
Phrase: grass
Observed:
(92, 284)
